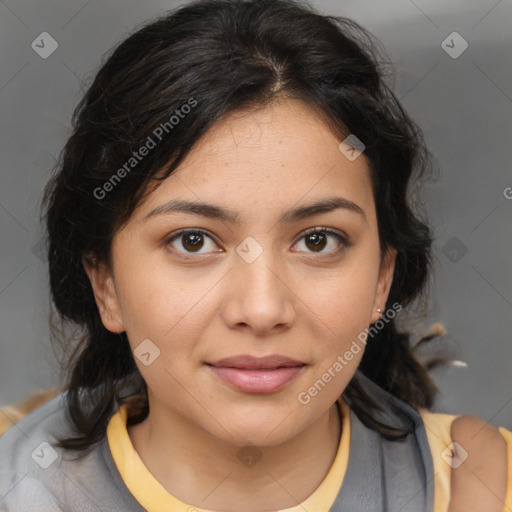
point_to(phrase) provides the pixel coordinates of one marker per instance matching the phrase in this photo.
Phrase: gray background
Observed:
(463, 105)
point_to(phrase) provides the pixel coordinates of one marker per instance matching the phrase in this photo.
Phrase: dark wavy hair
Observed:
(226, 55)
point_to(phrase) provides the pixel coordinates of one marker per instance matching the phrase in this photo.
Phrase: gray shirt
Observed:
(35, 476)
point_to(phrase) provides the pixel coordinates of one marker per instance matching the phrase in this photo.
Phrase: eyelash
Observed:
(344, 243)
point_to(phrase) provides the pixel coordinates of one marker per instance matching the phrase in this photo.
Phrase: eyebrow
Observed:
(224, 214)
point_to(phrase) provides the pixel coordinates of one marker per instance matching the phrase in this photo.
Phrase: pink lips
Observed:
(257, 375)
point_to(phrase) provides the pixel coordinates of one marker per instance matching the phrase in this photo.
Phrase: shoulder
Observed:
(45, 418)
(44, 423)
(38, 475)
(26, 452)
(479, 466)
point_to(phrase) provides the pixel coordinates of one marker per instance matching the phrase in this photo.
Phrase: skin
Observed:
(292, 300)
(480, 482)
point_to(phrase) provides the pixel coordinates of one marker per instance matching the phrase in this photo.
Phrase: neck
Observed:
(199, 469)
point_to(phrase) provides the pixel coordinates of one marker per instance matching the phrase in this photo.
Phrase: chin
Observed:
(263, 431)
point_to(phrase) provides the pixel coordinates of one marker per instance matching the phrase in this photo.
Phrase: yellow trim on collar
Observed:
(152, 496)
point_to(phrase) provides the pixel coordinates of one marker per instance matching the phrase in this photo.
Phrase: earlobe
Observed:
(105, 294)
(385, 280)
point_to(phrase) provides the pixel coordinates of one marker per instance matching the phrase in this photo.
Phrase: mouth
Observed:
(257, 374)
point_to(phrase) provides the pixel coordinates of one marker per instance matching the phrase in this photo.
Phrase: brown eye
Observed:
(323, 241)
(316, 241)
(191, 241)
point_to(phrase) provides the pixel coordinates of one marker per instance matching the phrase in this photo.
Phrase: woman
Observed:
(232, 227)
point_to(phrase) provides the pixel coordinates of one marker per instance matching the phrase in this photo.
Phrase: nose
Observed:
(258, 299)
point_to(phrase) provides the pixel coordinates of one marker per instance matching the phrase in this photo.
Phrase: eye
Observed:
(192, 241)
(317, 239)
(198, 241)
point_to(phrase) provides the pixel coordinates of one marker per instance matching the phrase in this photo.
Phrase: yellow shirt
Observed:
(152, 496)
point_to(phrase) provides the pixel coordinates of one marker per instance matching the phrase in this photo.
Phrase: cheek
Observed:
(341, 314)
(342, 308)
(343, 299)
(159, 304)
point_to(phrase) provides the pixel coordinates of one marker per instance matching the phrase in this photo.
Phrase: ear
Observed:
(105, 294)
(387, 267)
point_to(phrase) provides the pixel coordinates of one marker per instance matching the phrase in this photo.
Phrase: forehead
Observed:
(260, 160)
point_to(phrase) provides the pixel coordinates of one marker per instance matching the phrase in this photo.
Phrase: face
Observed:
(264, 273)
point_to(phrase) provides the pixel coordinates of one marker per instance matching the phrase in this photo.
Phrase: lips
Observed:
(257, 363)
(257, 374)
